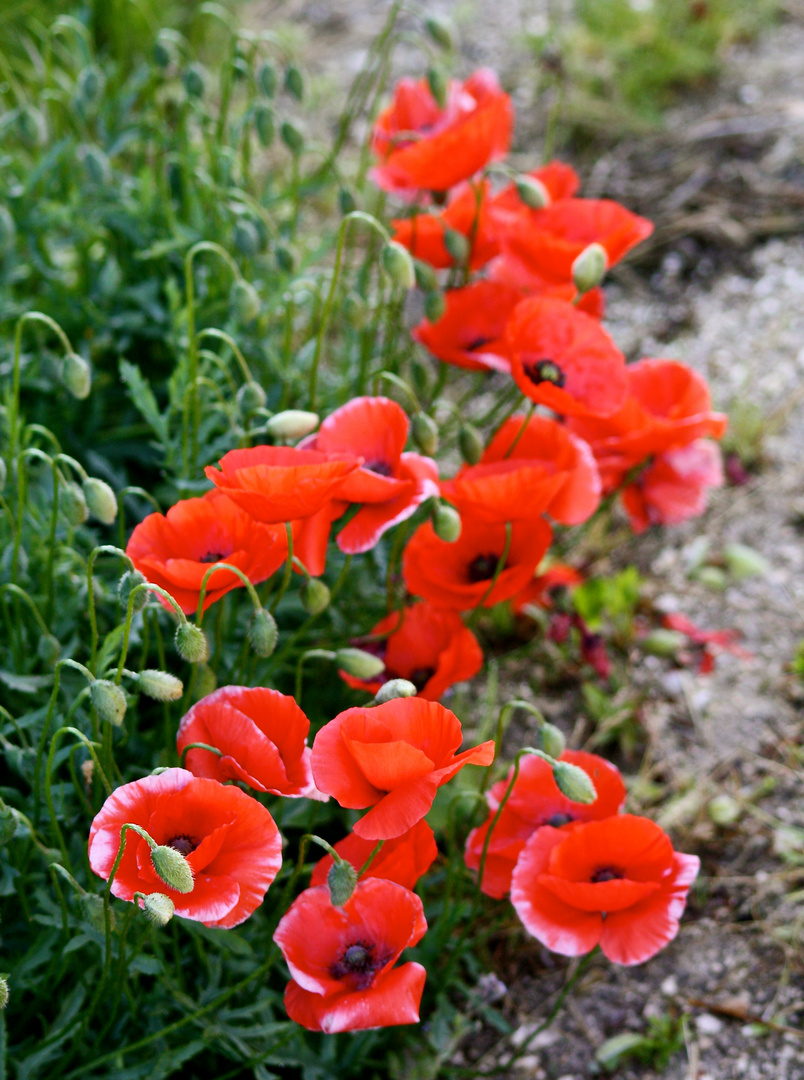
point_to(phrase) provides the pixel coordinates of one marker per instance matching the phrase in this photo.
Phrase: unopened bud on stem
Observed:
(191, 643)
(446, 523)
(262, 632)
(398, 265)
(314, 596)
(109, 701)
(589, 268)
(101, 500)
(359, 663)
(172, 868)
(425, 433)
(292, 424)
(342, 879)
(574, 783)
(394, 688)
(160, 685)
(76, 375)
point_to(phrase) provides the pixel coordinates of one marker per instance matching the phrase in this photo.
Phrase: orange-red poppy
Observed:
(470, 332)
(429, 646)
(403, 860)
(535, 801)
(467, 213)
(458, 575)
(423, 147)
(341, 959)
(229, 839)
(564, 359)
(616, 883)
(175, 550)
(393, 758)
(281, 483)
(531, 466)
(262, 737)
(507, 269)
(674, 486)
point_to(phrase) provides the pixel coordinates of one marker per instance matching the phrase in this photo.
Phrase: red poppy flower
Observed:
(393, 758)
(229, 839)
(617, 883)
(564, 359)
(534, 802)
(457, 575)
(423, 147)
(467, 213)
(550, 240)
(281, 483)
(507, 269)
(391, 484)
(549, 469)
(674, 486)
(403, 860)
(542, 589)
(262, 736)
(557, 182)
(341, 959)
(429, 646)
(175, 550)
(470, 332)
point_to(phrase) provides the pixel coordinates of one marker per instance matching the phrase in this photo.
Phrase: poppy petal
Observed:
(391, 1000)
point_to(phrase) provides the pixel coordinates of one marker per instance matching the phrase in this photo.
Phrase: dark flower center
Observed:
(213, 556)
(542, 371)
(478, 343)
(607, 873)
(358, 962)
(382, 468)
(557, 820)
(421, 676)
(482, 567)
(183, 844)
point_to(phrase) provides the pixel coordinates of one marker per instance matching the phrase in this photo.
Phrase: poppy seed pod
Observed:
(292, 424)
(425, 433)
(314, 596)
(262, 632)
(76, 376)
(589, 269)
(470, 443)
(160, 685)
(394, 688)
(358, 662)
(173, 868)
(109, 701)
(158, 908)
(191, 643)
(532, 192)
(398, 265)
(341, 879)
(447, 523)
(245, 301)
(268, 78)
(101, 500)
(574, 782)
(128, 582)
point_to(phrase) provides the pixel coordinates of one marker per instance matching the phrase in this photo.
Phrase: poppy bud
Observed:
(262, 632)
(398, 265)
(101, 500)
(8, 230)
(3, 991)
(573, 782)
(457, 245)
(160, 685)
(246, 238)
(551, 740)
(342, 879)
(195, 82)
(419, 378)
(191, 643)
(425, 433)
(291, 137)
(129, 581)
(292, 424)
(264, 124)
(93, 906)
(173, 868)
(3, 474)
(76, 376)
(245, 301)
(470, 443)
(294, 83)
(742, 561)
(447, 523)
(48, 649)
(72, 503)
(346, 201)
(439, 33)
(158, 908)
(8, 822)
(268, 78)
(109, 701)
(285, 259)
(205, 681)
(426, 277)
(663, 642)
(394, 688)
(589, 268)
(314, 596)
(438, 86)
(250, 397)
(532, 192)
(358, 662)
(434, 306)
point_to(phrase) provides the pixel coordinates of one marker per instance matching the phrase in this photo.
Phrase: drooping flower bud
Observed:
(250, 397)
(109, 701)
(551, 740)
(191, 643)
(446, 523)
(438, 86)
(573, 782)
(101, 500)
(160, 685)
(532, 192)
(457, 245)
(76, 376)
(434, 306)
(358, 662)
(294, 83)
(470, 443)
(314, 596)
(439, 32)
(264, 123)
(292, 424)
(268, 78)
(394, 688)
(262, 632)
(342, 879)
(425, 433)
(48, 649)
(245, 301)
(398, 265)
(291, 137)
(173, 868)
(128, 582)
(590, 267)
(158, 908)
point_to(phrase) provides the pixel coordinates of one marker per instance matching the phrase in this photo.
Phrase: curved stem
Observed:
(103, 549)
(40, 750)
(199, 614)
(146, 586)
(220, 335)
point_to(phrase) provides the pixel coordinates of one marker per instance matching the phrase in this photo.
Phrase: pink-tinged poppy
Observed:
(403, 860)
(470, 333)
(392, 758)
(175, 550)
(341, 959)
(229, 839)
(422, 147)
(532, 461)
(391, 484)
(535, 801)
(550, 240)
(281, 483)
(674, 486)
(428, 646)
(458, 575)
(616, 883)
(467, 213)
(262, 737)
(564, 359)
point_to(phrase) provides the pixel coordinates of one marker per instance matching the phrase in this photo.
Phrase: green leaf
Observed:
(25, 684)
(143, 399)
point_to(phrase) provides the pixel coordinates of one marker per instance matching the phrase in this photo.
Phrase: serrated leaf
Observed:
(143, 399)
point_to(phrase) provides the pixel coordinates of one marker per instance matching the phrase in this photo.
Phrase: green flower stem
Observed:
(145, 587)
(391, 377)
(298, 634)
(370, 859)
(103, 549)
(219, 335)
(39, 429)
(198, 746)
(199, 614)
(40, 750)
(65, 459)
(506, 712)
(497, 571)
(523, 428)
(54, 742)
(288, 569)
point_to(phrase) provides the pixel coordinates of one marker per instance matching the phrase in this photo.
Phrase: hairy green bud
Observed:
(264, 124)
(246, 238)
(457, 245)
(394, 688)
(285, 259)
(439, 32)
(195, 81)
(425, 433)
(590, 267)
(663, 642)
(130, 580)
(262, 632)
(359, 663)
(292, 424)
(532, 192)
(158, 908)
(72, 503)
(346, 201)
(573, 782)
(342, 880)
(101, 500)
(398, 265)
(76, 375)
(426, 277)
(446, 523)
(470, 443)
(191, 643)
(245, 301)
(314, 596)
(551, 740)
(109, 701)
(438, 86)
(3, 991)
(172, 868)
(160, 685)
